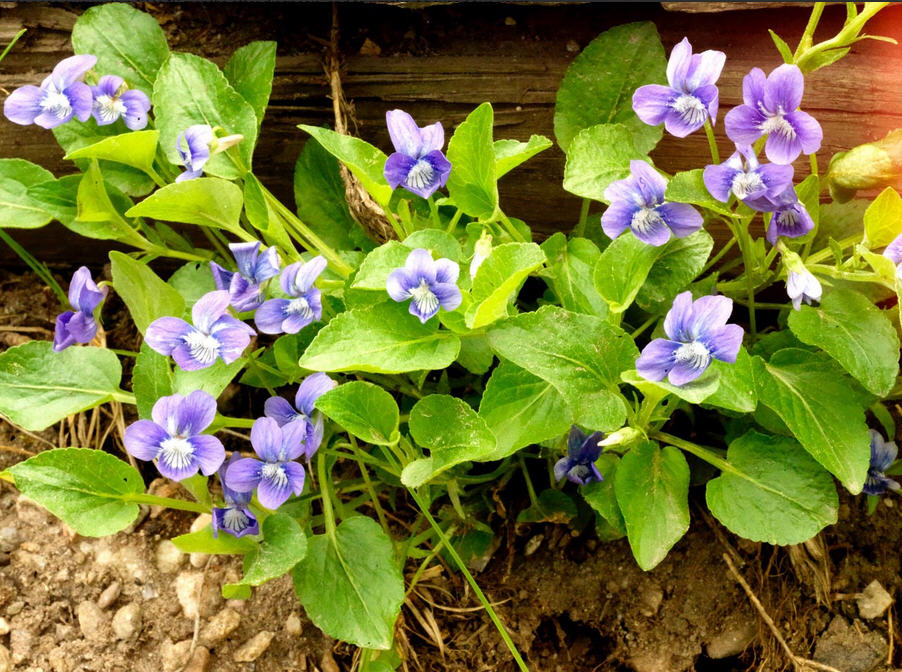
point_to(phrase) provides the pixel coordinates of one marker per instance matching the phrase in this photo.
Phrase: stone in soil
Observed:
(6, 663)
(874, 601)
(739, 630)
(109, 595)
(850, 648)
(92, 621)
(254, 647)
(169, 558)
(219, 627)
(127, 622)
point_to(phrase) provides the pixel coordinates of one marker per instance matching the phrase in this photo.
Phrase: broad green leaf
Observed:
(552, 506)
(440, 243)
(39, 387)
(570, 272)
(476, 354)
(362, 159)
(598, 86)
(472, 184)
(511, 153)
(192, 281)
(146, 295)
(880, 264)
(57, 197)
(378, 264)
(580, 355)
(206, 201)
(498, 279)
(689, 187)
(250, 72)
(284, 545)
(192, 90)
(452, 431)
(363, 409)
(883, 219)
(772, 491)
(857, 334)
(678, 263)
(694, 392)
(597, 156)
(385, 338)
(622, 269)
(203, 541)
(19, 209)
(365, 585)
(824, 412)
(522, 409)
(652, 489)
(212, 379)
(151, 379)
(738, 390)
(135, 148)
(98, 216)
(601, 496)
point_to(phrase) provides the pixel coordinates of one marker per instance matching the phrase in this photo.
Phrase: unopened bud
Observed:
(623, 436)
(869, 166)
(222, 144)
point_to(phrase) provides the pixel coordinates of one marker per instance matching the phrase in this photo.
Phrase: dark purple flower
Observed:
(193, 146)
(771, 109)
(254, 268)
(697, 332)
(637, 203)
(746, 179)
(275, 476)
(883, 454)
(582, 451)
(303, 411)
(418, 164)
(174, 438)
(692, 96)
(802, 285)
(289, 316)
(214, 335)
(78, 326)
(235, 518)
(61, 96)
(430, 283)
(112, 99)
(789, 217)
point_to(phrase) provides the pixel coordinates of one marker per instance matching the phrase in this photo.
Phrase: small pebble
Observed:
(253, 648)
(109, 595)
(15, 608)
(199, 661)
(4, 627)
(6, 663)
(173, 656)
(127, 622)
(219, 627)
(9, 538)
(293, 624)
(187, 590)
(169, 558)
(874, 601)
(91, 621)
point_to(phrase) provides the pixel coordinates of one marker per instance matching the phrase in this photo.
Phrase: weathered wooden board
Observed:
(439, 62)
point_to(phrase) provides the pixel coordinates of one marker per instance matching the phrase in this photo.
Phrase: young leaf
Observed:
(552, 506)
(212, 379)
(19, 209)
(695, 392)
(883, 219)
(363, 409)
(203, 541)
(738, 390)
(511, 153)
(689, 187)
(440, 243)
(599, 155)
(498, 279)
(250, 71)
(151, 380)
(284, 545)
(146, 295)
(570, 273)
(601, 496)
(621, 270)
(472, 184)
(192, 281)
(135, 148)
(98, 216)
(781, 46)
(377, 265)
(677, 264)
(206, 201)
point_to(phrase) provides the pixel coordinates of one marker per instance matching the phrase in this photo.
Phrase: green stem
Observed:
(168, 502)
(826, 253)
(843, 38)
(423, 565)
(740, 232)
(642, 327)
(12, 43)
(240, 423)
(123, 353)
(369, 486)
(509, 227)
(529, 487)
(160, 251)
(580, 229)
(717, 257)
(39, 269)
(124, 397)
(253, 366)
(700, 452)
(216, 243)
(712, 142)
(454, 220)
(324, 487)
(433, 211)
(807, 38)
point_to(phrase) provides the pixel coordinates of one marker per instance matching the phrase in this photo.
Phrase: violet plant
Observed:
(731, 295)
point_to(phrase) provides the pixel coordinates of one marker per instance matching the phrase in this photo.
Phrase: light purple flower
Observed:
(193, 146)
(174, 438)
(61, 96)
(79, 326)
(789, 217)
(637, 203)
(582, 451)
(771, 109)
(289, 316)
(692, 96)
(303, 411)
(418, 163)
(430, 283)
(275, 475)
(803, 285)
(893, 251)
(235, 518)
(746, 179)
(697, 332)
(883, 454)
(214, 335)
(254, 268)
(112, 99)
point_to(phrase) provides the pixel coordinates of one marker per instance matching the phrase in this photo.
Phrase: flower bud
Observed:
(869, 166)
(623, 436)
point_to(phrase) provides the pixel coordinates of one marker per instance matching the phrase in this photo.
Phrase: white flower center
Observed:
(421, 174)
(176, 452)
(56, 103)
(109, 108)
(299, 306)
(690, 108)
(777, 124)
(235, 520)
(694, 354)
(204, 348)
(273, 471)
(746, 183)
(426, 301)
(644, 219)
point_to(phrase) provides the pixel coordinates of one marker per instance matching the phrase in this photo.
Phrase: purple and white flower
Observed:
(742, 176)
(289, 316)
(275, 475)
(61, 96)
(235, 517)
(582, 451)
(692, 97)
(79, 326)
(883, 454)
(173, 438)
(113, 99)
(430, 283)
(637, 203)
(697, 332)
(193, 146)
(254, 267)
(893, 251)
(214, 334)
(803, 285)
(771, 109)
(418, 163)
(303, 411)
(789, 216)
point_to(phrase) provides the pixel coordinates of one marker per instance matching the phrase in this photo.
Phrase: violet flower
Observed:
(883, 454)
(637, 203)
(113, 99)
(746, 179)
(582, 451)
(789, 217)
(697, 332)
(235, 518)
(771, 109)
(303, 411)
(254, 268)
(893, 251)
(61, 96)
(275, 476)
(802, 285)
(173, 438)
(289, 316)
(430, 283)
(214, 335)
(692, 96)
(418, 163)
(193, 146)
(79, 326)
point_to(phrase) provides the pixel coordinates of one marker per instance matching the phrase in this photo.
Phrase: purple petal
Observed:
(306, 275)
(314, 436)
(400, 282)
(237, 521)
(194, 144)
(893, 251)
(657, 359)
(616, 219)
(108, 85)
(724, 343)
(710, 97)
(246, 257)
(266, 438)
(267, 265)
(189, 175)
(743, 123)
(428, 174)
(404, 132)
(685, 372)
(293, 323)
(84, 294)
(50, 120)
(142, 439)
(705, 69)
(23, 105)
(233, 341)
(243, 475)
(280, 410)
(783, 89)
(82, 327)
(782, 148)
(81, 100)
(775, 177)
(719, 180)
(165, 413)
(186, 360)
(245, 296)
(433, 137)
(167, 333)
(678, 322)
(209, 308)
(293, 436)
(311, 389)
(678, 64)
(272, 492)
(446, 271)
(653, 232)
(681, 218)
(561, 467)
(708, 313)
(397, 168)
(753, 85)
(807, 129)
(448, 295)
(195, 413)
(420, 265)
(137, 105)
(422, 311)
(687, 115)
(651, 103)
(208, 452)
(70, 70)
(270, 315)
(62, 339)
(648, 181)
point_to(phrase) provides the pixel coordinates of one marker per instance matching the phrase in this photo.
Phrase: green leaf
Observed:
(86, 489)
(652, 489)
(151, 379)
(378, 264)
(621, 270)
(250, 71)
(498, 279)
(39, 387)
(580, 355)
(597, 156)
(18, 208)
(772, 491)
(822, 410)
(552, 506)
(857, 334)
(261, 215)
(206, 201)
(440, 243)
(782, 47)
(97, 216)
(522, 409)
(203, 541)
(192, 90)
(366, 587)
(472, 184)
(146, 295)
(677, 264)
(570, 273)
(363, 409)
(212, 379)
(511, 153)
(284, 546)
(695, 392)
(385, 338)
(599, 84)
(601, 496)
(452, 431)
(57, 197)
(883, 219)
(192, 281)
(689, 187)
(135, 148)
(738, 390)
